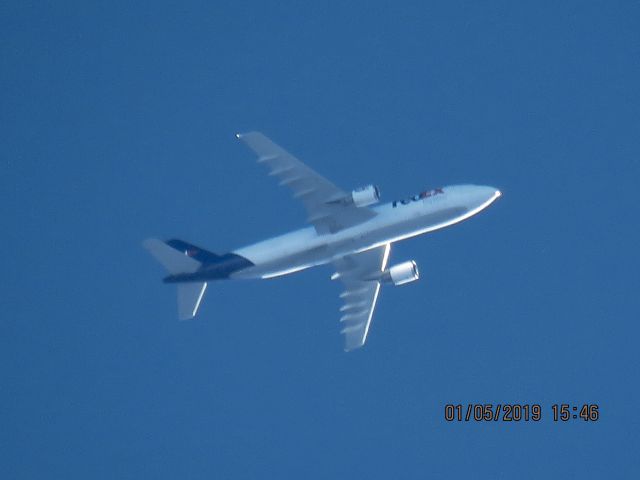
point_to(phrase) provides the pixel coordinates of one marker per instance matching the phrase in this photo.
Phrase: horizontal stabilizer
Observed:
(189, 299)
(173, 260)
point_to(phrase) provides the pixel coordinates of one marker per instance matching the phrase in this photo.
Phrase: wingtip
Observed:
(352, 348)
(241, 135)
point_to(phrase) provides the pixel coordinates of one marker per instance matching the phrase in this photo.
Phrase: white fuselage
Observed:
(394, 221)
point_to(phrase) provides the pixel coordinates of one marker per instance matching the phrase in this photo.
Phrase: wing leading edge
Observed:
(359, 273)
(323, 201)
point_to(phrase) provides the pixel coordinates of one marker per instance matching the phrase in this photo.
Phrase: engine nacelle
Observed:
(364, 196)
(402, 273)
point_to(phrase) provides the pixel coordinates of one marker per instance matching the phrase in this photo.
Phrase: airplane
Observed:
(346, 232)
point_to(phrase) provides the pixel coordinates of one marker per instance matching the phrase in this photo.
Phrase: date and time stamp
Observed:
(515, 412)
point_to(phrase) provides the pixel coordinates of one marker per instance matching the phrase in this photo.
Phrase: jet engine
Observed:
(402, 273)
(364, 196)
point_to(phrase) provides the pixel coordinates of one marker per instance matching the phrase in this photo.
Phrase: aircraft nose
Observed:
(474, 197)
(487, 195)
(491, 193)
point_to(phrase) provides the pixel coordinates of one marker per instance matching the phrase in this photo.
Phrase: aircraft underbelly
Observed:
(293, 254)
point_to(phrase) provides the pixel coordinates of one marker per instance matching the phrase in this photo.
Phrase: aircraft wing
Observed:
(358, 272)
(322, 199)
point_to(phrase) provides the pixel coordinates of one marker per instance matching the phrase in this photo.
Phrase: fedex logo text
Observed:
(420, 196)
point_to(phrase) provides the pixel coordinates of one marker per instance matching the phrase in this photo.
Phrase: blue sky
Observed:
(118, 124)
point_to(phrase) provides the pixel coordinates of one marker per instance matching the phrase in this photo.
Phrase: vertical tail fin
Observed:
(175, 261)
(189, 249)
